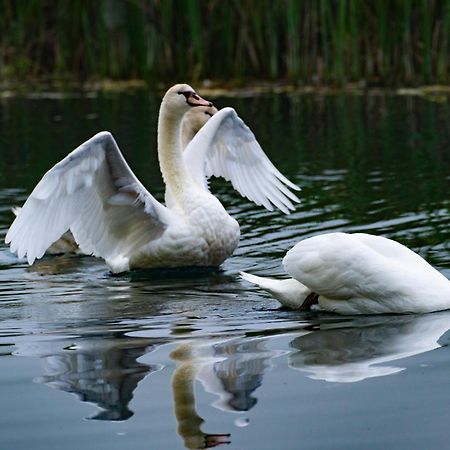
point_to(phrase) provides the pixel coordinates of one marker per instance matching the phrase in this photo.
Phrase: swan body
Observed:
(358, 274)
(94, 194)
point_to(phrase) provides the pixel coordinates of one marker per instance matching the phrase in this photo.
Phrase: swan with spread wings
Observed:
(94, 194)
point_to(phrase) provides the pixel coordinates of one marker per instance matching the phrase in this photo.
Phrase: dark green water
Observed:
(164, 360)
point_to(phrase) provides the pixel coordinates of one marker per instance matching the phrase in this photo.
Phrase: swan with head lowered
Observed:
(357, 274)
(94, 194)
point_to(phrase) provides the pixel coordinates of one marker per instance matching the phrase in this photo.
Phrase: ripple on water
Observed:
(98, 336)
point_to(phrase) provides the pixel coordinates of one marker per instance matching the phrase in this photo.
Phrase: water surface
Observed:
(190, 359)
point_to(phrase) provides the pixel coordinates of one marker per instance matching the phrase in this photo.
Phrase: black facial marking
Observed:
(208, 114)
(189, 95)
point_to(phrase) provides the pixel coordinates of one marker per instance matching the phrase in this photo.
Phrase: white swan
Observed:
(192, 121)
(94, 193)
(357, 274)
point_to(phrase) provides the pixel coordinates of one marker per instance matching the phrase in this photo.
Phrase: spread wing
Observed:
(94, 193)
(226, 147)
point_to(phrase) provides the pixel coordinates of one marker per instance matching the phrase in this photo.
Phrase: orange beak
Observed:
(193, 99)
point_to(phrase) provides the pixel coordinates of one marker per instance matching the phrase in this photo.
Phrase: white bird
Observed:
(94, 194)
(357, 274)
(192, 121)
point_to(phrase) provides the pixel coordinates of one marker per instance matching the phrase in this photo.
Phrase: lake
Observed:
(193, 359)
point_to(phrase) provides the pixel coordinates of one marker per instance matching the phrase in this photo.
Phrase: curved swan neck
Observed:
(183, 380)
(173, 168)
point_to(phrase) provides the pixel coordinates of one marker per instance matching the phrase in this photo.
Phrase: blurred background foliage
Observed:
(382, 42)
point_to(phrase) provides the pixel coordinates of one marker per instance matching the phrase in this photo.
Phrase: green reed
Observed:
(304, 41)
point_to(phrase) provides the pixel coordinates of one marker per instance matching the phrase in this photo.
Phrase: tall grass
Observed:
(305, 41)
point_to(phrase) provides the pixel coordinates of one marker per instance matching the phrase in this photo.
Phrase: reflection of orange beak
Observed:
(195, 100)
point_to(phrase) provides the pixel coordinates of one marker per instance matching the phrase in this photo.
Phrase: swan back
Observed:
(361, 273)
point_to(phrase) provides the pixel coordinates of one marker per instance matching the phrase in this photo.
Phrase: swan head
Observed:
(181, 98)
(195, 118)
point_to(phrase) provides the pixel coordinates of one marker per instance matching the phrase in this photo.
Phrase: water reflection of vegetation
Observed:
(378, 162)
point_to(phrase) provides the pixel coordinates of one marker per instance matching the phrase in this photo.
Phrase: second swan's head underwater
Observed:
(357, 274)
(94, 193)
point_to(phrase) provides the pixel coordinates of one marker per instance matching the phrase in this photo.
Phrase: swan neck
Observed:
(187, 134)
(172, 165)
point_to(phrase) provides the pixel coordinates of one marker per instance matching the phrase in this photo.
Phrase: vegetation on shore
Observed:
(319, 42)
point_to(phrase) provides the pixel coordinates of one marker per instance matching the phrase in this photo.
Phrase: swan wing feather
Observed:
(94, 193)
(226, 147)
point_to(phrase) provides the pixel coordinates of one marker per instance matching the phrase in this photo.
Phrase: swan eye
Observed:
(189, 94)
(193, 99)
(208, 114)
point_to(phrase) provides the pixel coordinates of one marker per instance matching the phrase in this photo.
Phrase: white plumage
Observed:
(94, 194)
(359, 274)
(227, 148)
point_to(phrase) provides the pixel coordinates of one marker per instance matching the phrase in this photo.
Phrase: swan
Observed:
(192, 121)
(93, 193)
(357, 274)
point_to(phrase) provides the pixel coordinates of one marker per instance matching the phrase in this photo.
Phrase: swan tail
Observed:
(290, 293)
(263, 283)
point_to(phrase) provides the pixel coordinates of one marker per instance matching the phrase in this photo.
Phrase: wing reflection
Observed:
(232, 370)
(361, 348)
(100, 369)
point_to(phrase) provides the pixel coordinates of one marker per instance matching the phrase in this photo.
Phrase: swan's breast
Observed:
(219, 230)
(203, 235)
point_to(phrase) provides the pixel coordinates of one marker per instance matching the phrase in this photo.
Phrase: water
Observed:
(168, 359)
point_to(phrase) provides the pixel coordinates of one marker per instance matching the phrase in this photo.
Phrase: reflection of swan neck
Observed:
(170, 156)
(189, 421)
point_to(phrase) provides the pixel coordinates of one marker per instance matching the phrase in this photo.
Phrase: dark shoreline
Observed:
(61, 89)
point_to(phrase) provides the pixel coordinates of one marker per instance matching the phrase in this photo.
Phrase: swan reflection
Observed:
(102, 370)
(105, 367)
(362, 348)
(229, 369)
